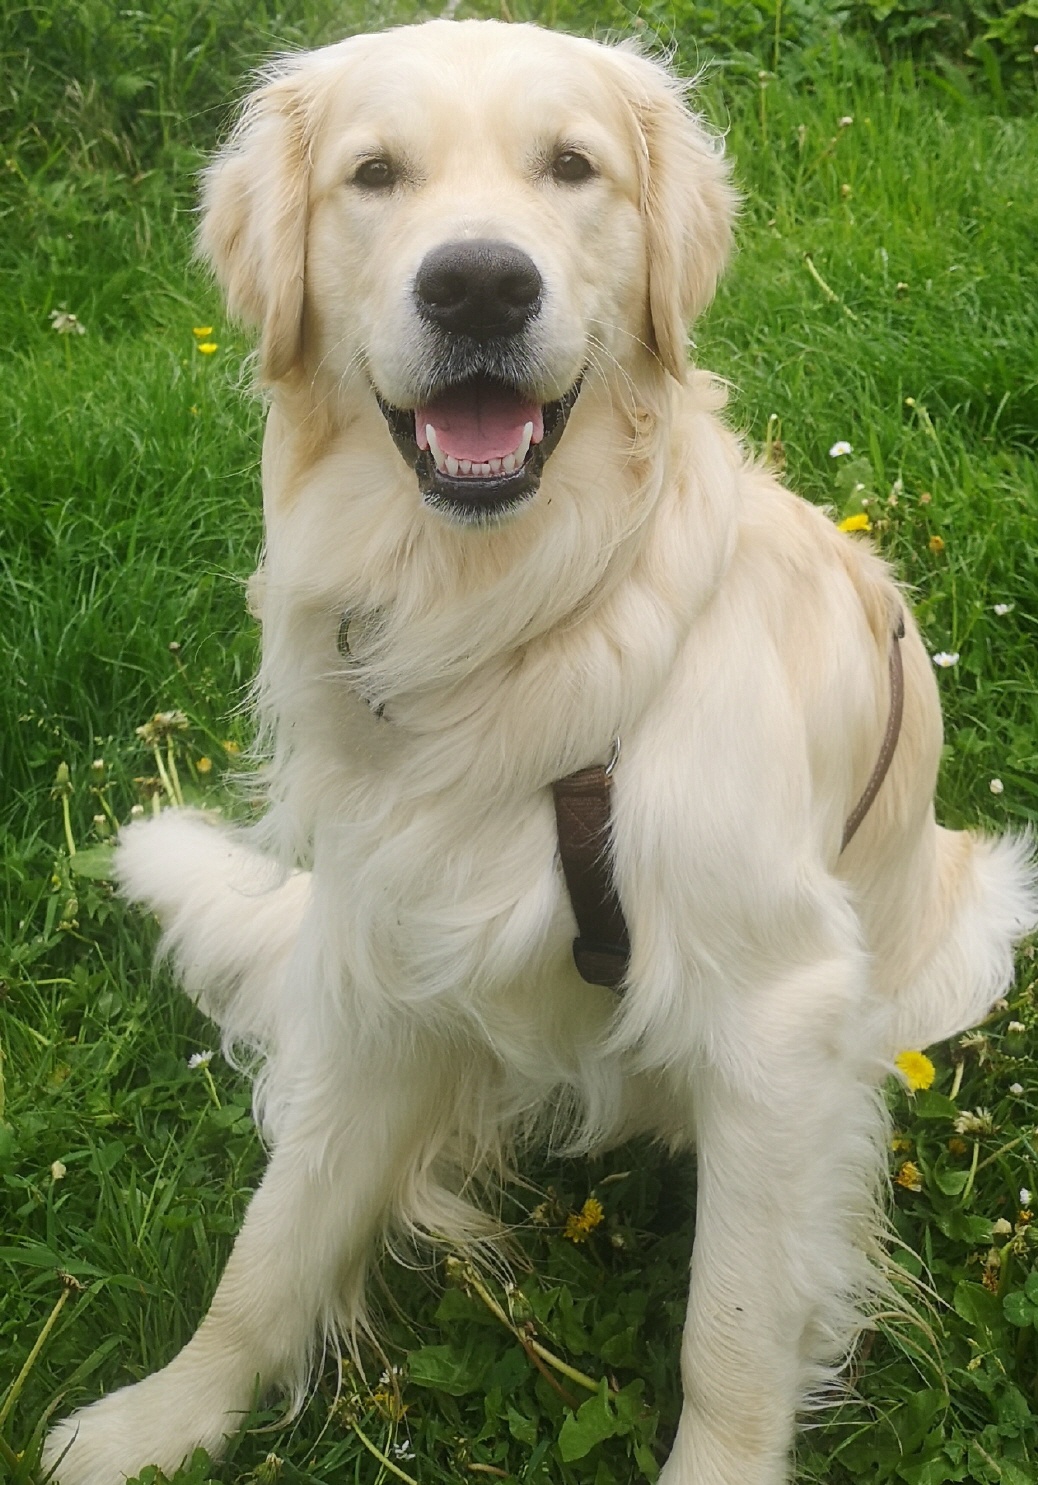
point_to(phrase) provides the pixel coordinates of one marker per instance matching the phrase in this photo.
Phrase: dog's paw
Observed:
(154, 1422)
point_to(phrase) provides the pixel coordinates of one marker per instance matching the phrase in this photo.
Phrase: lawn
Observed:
(885, 296)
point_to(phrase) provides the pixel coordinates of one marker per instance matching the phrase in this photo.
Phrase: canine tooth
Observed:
(434, 448)
(465, 466)
(508, 464)
(524, 445)
(452, 465)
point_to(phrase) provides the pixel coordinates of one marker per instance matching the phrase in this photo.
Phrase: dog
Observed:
(509, 538)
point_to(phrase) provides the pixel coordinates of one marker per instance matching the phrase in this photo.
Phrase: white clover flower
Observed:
(1017, 1028)
(1025, 1197)
(58, 1170)
(996, 786)
(846, 121)
(136, 811)
(65, 323)
(1001, 1228)
(841, 446)
(946, 658)
(1001, 609)
(1016, 1089)
(200, 1059)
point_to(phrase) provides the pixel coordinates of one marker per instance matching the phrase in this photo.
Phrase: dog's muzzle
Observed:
(479, 448)
(479, 440)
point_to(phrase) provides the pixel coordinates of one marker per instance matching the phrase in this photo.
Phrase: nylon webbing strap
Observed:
(582, 813)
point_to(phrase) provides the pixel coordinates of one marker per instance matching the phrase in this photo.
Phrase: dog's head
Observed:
(467, 220)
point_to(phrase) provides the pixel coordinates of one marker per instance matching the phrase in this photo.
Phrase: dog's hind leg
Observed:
(230, 916)
(354, 1137)
(789, 1135)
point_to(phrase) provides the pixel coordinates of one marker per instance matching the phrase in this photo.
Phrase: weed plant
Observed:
(885, 296)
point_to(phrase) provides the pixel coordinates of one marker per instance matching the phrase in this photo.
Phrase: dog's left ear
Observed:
(254, 218)
(688, 203)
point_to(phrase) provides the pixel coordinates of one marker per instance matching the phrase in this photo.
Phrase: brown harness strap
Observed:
(602, 948)
(890, 736)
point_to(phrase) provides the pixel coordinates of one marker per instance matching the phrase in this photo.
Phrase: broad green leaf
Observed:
(929, 1104)
(95, 862)
(1018, 1309)
(977, 1307)
(448, 1370)
(594, 1421)
(951, 1182)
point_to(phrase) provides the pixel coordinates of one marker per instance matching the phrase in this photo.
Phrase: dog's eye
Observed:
(572, 167)
(375, 174)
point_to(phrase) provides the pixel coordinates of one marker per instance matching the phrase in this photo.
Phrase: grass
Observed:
(885, 293)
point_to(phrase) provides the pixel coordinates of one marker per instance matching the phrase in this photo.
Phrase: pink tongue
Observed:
(478, 423)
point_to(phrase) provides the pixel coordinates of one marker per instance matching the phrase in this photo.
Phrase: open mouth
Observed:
(479, 447)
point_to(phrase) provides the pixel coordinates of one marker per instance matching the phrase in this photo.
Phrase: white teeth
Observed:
(434, 448)
(449, 465)
(524, 445)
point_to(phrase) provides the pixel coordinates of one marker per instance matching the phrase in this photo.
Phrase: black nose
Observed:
(480, 288)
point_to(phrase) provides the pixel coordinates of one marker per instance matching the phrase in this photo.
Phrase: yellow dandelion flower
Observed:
(389, 1404)
(204, 765)
(230, 747)
(859, 522)
(207, 347)
(202, 332)
(910, 1176)
(592, 1213)
(957, 1146)
(916, 1069)
(1024, 1217)
(936, 545)
(580, 1224)
(900, 1144)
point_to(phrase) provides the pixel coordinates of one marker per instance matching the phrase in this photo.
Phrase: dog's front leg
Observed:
(296, 1270)
(789, 1134)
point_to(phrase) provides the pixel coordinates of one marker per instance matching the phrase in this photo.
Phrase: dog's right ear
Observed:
(254, 220)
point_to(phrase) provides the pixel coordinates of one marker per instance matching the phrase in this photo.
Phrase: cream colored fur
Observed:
(394, 939)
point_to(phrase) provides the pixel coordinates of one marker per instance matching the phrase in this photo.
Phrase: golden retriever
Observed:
(505, 526)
